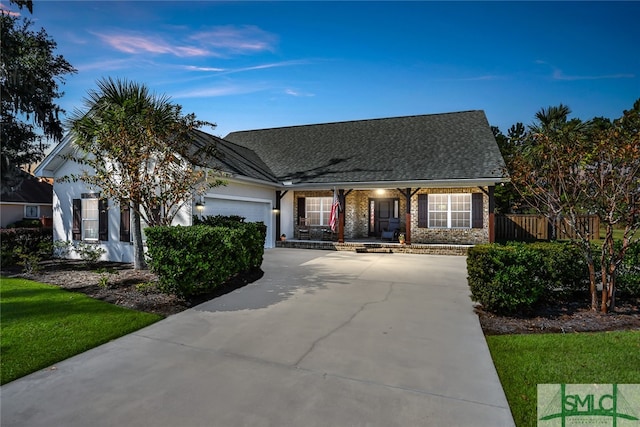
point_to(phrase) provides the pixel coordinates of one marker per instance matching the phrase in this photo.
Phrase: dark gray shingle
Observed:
(413, 148)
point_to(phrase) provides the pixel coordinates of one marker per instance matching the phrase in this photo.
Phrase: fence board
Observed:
(536, 227)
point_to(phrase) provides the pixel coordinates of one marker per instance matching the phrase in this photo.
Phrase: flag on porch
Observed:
(335, 209)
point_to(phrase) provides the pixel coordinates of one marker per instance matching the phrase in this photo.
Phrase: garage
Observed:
(251, 210)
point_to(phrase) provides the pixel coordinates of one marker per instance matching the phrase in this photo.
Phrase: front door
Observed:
(380, 211)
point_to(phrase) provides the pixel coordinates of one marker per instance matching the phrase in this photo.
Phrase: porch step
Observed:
(390, 248)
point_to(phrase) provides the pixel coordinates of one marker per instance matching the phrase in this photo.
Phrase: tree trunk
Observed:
(138, 247)
(592, 285)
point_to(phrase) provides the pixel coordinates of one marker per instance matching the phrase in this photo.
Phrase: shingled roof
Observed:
(437, 147)
(30, 191)
(234, 159)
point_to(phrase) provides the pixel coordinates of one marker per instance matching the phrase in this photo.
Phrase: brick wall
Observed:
(357, 215)
(450, 235)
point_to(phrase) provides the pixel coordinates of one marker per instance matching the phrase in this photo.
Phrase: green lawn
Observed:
(42, 324)
(523, 361)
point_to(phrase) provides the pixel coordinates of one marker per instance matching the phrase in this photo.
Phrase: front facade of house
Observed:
(434, 174)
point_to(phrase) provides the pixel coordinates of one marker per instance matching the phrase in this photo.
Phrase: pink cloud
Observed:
(5, 10)
(141, 44)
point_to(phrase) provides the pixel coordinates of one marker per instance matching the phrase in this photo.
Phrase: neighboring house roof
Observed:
(30, 191)
(440, 147)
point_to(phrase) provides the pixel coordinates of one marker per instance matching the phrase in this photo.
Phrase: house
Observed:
(31, 199)
(434, 174)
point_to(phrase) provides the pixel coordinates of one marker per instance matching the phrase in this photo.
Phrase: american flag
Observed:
(335, 209)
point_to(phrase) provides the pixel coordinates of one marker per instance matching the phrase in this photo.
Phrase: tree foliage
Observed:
(568, 168)
(30, 76)
(138, 149)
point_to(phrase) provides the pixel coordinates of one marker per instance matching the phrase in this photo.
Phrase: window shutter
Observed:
(302, 208)
(477, 213)
(423, 210)
(125, 223)
(76, 231)
(103, 220)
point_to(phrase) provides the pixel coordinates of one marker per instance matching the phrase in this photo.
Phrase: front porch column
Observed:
(341, 217)
(277, 219)
(407, 235)
(492, 204)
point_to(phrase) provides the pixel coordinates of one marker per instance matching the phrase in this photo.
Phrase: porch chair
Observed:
(392, 230)
(304, 229)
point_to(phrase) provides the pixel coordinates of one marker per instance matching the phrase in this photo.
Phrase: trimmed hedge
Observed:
(16, 244)
(194, 260)
(514, 277)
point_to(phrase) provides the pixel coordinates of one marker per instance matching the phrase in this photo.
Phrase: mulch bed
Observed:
(563, 318)
(124, 288)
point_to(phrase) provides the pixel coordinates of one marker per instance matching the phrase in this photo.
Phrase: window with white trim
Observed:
(450, 210)
(31, 211)
(90, 219)
(318, 210)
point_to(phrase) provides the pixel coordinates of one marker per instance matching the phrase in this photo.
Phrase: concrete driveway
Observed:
(323, 339)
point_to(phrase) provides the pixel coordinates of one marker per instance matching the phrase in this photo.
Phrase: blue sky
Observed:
(250, 65)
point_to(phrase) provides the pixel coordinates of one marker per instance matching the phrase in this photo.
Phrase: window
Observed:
(31, 211)
(449, 211)
(318, 210)
(90, 218)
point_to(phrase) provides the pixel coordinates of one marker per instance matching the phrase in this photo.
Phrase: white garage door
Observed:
(250, 210)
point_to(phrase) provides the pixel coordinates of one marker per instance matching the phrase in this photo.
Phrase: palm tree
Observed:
(138, 147)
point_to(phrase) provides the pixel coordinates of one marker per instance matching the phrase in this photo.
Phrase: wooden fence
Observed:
(538, 227)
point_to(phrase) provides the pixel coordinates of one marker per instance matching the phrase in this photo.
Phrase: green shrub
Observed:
(90, 253)
(25, 246)
(194, 260)
(230, 221)
(515, 277)
(26, 223)
(628, 273)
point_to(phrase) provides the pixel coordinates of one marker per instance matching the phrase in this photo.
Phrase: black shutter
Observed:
(103, 220)
(477, 213)
(76, 228)
(302, 208)
(423, 210)
(125, 223)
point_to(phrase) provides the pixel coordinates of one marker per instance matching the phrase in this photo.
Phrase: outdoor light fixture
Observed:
(199, 206)
(379, 191)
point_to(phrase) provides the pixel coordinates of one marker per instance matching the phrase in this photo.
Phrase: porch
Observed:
(376, 246)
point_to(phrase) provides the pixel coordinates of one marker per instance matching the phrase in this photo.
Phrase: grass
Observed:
(523, 361)
(43, 324)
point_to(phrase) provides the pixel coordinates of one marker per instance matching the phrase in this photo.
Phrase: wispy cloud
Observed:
(558, 74)
(297, 93)
(205, 69)
(108, 65)
(222, 71)
(236, 40)
(270, 65)
(486, 77)
(133, 43)
(218, 42)
(5, 9)
(216, 91)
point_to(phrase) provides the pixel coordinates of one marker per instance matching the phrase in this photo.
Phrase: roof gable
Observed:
(450, 146)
